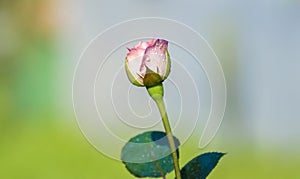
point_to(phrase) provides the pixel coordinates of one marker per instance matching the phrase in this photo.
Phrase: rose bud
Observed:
(148, 63)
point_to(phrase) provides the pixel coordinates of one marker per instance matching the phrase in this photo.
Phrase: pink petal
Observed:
(155, 57)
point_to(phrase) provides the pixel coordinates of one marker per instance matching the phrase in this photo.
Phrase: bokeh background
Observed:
(257, 42)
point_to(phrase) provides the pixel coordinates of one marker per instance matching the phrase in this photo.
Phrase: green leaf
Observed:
(148, 155)
(201, 166)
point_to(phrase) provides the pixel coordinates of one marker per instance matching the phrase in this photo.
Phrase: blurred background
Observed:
(257, 42)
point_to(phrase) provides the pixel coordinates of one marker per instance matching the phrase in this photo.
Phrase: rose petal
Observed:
(144, 45)
(155, 58)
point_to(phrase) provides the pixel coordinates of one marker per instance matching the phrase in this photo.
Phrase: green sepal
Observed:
(151, 78)
(168, 65)
(131, 78)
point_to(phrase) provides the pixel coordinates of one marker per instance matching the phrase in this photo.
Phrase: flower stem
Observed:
(156, 93)
(161, 107)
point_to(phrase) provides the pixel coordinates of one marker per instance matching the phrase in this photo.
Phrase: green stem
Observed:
(156, 93)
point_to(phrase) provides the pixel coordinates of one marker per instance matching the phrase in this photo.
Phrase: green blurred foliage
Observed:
(27, 56)
(47, 150)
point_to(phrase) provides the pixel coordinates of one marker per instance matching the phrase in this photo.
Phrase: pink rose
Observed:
(148, 63)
